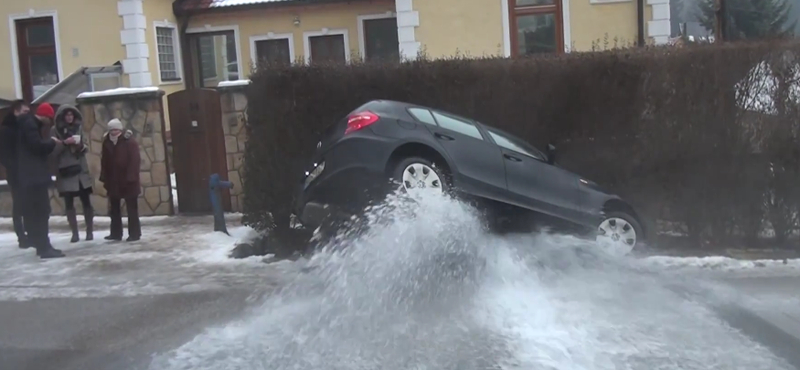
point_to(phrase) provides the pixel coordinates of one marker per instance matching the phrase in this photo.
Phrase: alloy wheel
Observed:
(616, 235)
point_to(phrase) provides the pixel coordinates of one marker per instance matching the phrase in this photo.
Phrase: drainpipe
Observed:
(186, 51)
(640, 4)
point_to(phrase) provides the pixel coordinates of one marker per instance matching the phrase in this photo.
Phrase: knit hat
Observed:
(115, 124)
(45, 110)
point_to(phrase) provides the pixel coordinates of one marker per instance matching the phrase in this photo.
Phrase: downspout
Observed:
(183, 24)
(640, 4)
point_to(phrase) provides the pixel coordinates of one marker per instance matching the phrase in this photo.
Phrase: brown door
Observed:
(38, 64)
(198, 145)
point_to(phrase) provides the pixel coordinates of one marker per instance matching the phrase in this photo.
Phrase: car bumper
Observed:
(348, 182)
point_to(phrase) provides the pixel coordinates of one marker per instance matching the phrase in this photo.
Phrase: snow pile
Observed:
(757, 90)
(220, 245)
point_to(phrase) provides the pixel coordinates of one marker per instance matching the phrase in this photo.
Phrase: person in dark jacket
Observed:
(73, 179)
(119, 173)
(34, 177)
(9, 136)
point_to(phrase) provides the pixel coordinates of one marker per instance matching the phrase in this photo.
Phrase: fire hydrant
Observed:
(215, 186)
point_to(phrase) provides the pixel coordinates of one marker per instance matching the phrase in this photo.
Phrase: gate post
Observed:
(234, 119)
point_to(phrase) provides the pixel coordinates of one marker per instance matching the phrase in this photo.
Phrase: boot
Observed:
(72, 219)
(88, 215)
(49, 252)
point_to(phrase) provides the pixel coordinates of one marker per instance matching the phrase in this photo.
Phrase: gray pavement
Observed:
(111, 333)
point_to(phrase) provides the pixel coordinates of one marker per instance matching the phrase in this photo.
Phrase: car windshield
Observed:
(514, 143)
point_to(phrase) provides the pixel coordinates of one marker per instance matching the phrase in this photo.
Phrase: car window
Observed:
(516, 145)
(423, 115)
(457, 125)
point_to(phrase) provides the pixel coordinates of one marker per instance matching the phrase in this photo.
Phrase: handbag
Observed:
(70, 171)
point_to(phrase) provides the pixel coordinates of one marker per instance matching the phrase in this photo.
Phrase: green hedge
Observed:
(661, 126)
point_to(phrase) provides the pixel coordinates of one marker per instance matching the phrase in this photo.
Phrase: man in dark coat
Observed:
(119, 173)
(9, 136)
(35, 177)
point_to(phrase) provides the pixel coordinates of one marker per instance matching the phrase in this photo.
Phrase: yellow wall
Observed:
(161, 11)
(471, 27)
(475, 27)
(261, 22)
(594, 22)
(91, 26)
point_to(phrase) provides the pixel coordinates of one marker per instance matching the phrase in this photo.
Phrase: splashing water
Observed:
(425, 287)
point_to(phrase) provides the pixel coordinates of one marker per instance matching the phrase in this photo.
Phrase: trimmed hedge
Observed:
(664, 127)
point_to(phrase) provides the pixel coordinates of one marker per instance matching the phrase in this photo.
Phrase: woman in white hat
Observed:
(119, 173)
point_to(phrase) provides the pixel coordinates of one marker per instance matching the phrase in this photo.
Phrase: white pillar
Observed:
(137, 53)
(407, 22)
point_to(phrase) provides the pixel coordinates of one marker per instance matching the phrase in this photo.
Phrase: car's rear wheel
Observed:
(619, 233)
(417, 174)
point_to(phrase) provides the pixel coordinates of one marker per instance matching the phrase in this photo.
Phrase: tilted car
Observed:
(421, 147)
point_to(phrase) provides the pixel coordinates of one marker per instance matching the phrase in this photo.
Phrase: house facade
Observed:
(175, 45)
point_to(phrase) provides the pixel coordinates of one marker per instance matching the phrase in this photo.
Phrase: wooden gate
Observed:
(198, 145)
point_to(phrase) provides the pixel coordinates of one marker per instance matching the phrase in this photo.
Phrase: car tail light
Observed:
(357, 121)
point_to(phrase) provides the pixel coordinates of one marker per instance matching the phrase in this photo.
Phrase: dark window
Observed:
(422, 115)
(213, 57)
(38, 64)
(380, 39)
(457, 125)
(327, 48)
(536, 27)
(514, 144)
(273, 51)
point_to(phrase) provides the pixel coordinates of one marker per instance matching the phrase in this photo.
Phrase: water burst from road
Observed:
(428, 288)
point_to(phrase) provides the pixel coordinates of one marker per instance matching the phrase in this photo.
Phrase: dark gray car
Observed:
(421, 147)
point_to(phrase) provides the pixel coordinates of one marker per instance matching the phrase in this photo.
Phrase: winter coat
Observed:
(9, 138)
(33, 151)
(119, 166)
(73, 169)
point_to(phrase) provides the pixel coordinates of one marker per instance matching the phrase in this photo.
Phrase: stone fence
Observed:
(141, 111)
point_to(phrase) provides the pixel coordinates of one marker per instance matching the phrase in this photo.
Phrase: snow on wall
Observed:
(234, 83)
(118, 91)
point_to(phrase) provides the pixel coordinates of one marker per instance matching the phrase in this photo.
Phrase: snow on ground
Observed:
(176, 254)
(718, 264)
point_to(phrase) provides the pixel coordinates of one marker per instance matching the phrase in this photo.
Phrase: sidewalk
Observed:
(176, 255)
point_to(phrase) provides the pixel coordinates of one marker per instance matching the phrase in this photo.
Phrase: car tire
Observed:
(616, 232)
(426, 168)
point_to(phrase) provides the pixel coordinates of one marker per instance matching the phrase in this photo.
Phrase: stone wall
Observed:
(234, 120)
(141, 111)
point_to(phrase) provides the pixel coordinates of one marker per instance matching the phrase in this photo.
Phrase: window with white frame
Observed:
(167, 46)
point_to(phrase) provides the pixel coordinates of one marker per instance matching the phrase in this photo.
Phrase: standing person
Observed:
(119, 173)
(9, 137)
(34, 177)
(73, 179)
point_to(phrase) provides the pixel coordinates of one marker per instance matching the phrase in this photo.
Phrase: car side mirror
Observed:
(551, 154)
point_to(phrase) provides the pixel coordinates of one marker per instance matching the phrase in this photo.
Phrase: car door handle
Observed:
(512, 158)
(443, 137)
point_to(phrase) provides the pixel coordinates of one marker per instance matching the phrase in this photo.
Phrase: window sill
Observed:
(602, 2)
(170, 82)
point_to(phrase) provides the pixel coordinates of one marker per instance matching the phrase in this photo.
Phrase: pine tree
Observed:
(751, 19)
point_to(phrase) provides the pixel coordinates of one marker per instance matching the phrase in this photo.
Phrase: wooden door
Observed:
(198, 145)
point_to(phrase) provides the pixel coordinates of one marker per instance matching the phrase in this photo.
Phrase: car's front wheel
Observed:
(417, 174)
(619, 233)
